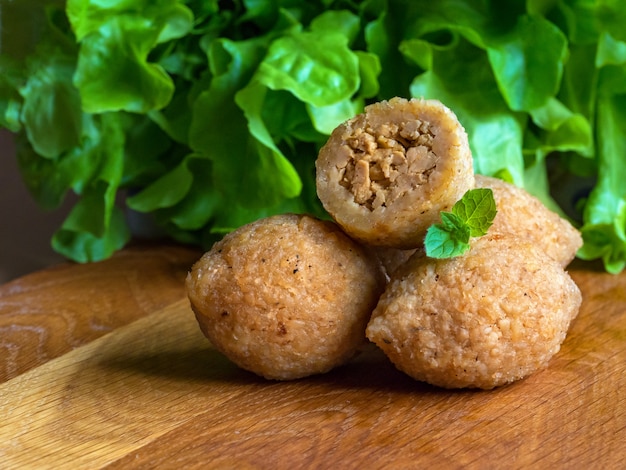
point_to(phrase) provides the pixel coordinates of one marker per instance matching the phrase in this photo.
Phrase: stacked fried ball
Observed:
(286, 296)
(290, 295)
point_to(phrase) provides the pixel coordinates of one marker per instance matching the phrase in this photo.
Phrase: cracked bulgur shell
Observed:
(285, 297)
(521, 214)
(385, 174)
(487, 318)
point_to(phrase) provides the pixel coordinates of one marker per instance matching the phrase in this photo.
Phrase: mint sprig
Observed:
(471, 216)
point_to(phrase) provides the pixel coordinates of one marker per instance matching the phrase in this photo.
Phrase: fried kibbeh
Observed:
(286, 297)
(385, 174)
(487, 318)
(524, 215)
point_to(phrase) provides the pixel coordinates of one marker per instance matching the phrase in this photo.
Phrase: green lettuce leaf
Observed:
(171, 19)
(114, 72)
(604, 229)
(95, 228)
(528, 62)
(205, 115)
(50, 102)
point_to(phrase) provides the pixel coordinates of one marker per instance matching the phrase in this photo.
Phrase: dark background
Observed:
(25, 229)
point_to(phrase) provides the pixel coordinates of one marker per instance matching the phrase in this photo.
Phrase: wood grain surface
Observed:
(153, 393)
(47, 313)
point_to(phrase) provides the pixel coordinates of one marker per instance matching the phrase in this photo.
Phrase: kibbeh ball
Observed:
(385, 174)
(521, 214)
(487, 318)
(286, 297)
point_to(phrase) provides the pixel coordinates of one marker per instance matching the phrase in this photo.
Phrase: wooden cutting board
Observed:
(104, 366)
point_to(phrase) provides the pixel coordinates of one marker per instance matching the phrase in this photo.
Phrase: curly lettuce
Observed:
(206, 115)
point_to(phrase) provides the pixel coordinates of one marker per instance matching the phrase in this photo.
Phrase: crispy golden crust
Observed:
(286, 296)
(484, 319)
(385, 175)
(523, 215)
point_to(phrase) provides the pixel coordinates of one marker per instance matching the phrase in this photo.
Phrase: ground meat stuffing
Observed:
(386, 162)
(386, 174)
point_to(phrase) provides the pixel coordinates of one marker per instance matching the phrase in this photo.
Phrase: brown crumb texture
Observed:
(487, 318)
(385, 175)
(523, 215)
(286, 297)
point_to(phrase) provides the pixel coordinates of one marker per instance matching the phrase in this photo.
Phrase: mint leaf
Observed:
(471, 216)
(448, 239)
(477, 209)
(452, 222)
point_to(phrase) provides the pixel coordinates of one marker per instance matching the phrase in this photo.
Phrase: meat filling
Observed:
(384, 163)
